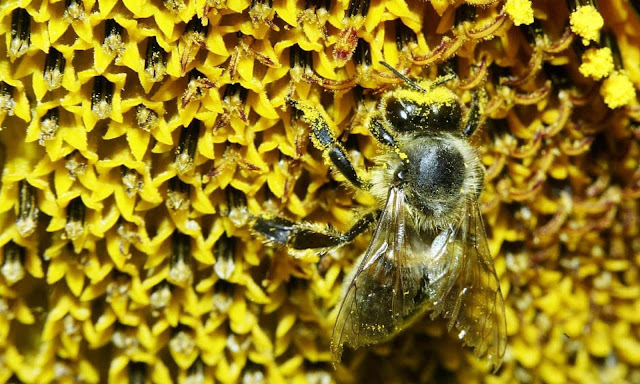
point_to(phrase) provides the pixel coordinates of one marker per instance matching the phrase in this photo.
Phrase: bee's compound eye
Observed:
(411, 116)
(400, 175)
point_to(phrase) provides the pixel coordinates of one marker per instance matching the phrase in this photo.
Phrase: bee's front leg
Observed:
(324, 139)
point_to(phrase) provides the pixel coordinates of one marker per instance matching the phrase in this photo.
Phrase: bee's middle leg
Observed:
(300, 236)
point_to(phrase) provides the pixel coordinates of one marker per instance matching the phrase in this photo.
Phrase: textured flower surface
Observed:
(139, 139)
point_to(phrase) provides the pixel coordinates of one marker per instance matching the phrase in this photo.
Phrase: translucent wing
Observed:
(389, 288)
(465, 289)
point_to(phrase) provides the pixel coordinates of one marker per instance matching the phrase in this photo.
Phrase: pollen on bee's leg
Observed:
(101, 97)
(13, 264)
(155, 62)
(180, 272)
(28, 209)
(20, 33)
(186, 149)
(75, 219)
(54, 69)
(224, 252)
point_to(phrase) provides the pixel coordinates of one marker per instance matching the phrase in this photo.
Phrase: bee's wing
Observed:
(465, 288)
(389, 287)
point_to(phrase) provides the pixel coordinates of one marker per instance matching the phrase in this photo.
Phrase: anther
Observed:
(49, 125)
(75, 164)
(13, 264)
(155, 63)
(20, 33)
(177, 195)
(236, 206)
(180, 272)
(131, 180)
(147, 119)
(101, 97)
(222, 296)
(27, 210)
(137, 372)
(160, 297)
(262, 11)
(74, 10)
(404, 36)
(75, 219)
(608, 39)
(362, 54)
(195, 373)
(358, 7)
(186, 150)
(195, 26)
(54, 69)
(196, 87)
(113, 42)
(224, 252)
(7, 103)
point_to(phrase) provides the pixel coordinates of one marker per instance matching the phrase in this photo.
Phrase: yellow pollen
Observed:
(597, 63)
(520, 11)
(586, 22)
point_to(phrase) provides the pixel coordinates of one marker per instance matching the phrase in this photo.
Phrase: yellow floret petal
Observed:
(586, 22)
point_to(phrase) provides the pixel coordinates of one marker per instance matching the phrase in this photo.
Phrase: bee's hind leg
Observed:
(324, 139)
(300, 236)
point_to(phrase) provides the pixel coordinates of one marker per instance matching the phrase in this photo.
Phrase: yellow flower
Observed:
(140, 140)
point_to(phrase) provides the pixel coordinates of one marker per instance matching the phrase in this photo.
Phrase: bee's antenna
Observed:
(402, 77)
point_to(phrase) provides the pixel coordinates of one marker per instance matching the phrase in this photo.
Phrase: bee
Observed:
(428, 252)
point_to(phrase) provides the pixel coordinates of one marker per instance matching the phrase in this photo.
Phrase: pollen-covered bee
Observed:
(428, 252)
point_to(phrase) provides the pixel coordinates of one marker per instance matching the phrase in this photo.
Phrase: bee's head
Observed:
(436, 110)
(437, 175)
